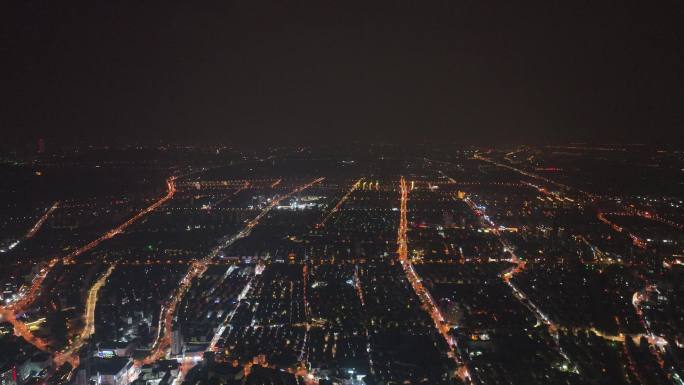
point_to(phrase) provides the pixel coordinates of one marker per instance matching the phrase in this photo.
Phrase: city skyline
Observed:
(341, 193)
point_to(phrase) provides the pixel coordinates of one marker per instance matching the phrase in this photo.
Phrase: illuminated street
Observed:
(164, 337)
(342, 193)
(438, 269)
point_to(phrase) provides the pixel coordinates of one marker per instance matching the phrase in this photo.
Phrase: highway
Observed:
(70, 353)
(519, 266)
(22, 330)
(34, 229)
(658, 343)
(531, 175)
(236, 192)
(340, 203)
(171, 191)
(164, 331)
(426, 300)
(27, 297)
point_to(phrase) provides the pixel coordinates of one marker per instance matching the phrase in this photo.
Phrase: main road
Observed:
(13, 311)
(423, 294)
(164, 336)
(70, 353)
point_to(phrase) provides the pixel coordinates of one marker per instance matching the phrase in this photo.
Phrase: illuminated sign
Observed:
(105, 354)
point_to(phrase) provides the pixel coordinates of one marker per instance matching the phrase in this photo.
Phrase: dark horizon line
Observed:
(55, 146)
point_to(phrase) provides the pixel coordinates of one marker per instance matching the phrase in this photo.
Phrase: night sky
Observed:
(336, 71)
